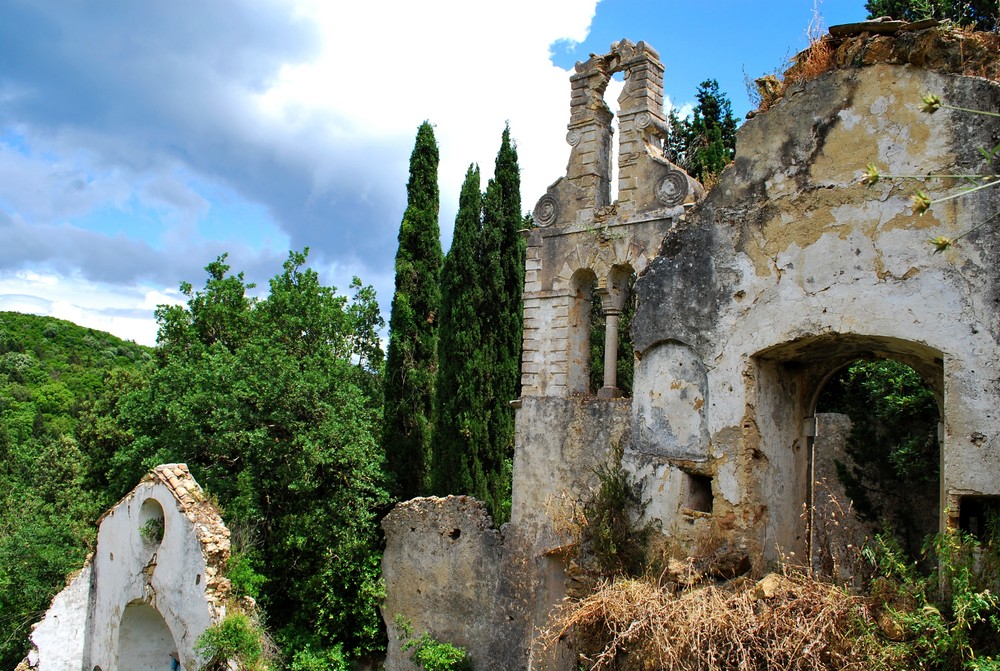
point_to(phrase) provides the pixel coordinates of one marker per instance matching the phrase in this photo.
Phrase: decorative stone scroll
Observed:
(546, 211)
(672, 189)
(643, 119)
(573, 138)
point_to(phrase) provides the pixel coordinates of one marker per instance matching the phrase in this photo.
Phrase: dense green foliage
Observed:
(612, 534)
(237, 638)
(982, 14)
(704, 143)
(411, 366)
(461, 408)
(268, 402)
(481, 340)
(50, 371)
(895, 458)
(430, 654)
(949, 618)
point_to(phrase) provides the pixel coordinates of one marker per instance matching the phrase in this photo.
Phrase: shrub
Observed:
(238, 638)
(430, 654)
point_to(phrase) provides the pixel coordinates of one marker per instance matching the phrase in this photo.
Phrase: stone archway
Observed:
(145, 642)
(789, 379)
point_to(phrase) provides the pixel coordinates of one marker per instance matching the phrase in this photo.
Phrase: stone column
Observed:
(612, 304)
(610, 388)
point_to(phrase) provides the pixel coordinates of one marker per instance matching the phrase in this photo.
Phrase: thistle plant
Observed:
(922, 202)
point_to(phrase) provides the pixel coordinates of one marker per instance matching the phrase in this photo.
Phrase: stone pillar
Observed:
(589, 133)
(641, 123)
(612, 304)
(610, 388)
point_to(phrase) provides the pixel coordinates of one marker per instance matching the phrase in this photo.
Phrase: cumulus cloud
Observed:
(121, 123)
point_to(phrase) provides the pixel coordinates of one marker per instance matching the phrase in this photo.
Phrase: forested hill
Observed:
(52, 354)
(50, 370)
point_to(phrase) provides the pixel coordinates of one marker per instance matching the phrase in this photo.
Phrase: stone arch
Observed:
(152, 524)
(145, 642)
(790, 377)
(578, 334)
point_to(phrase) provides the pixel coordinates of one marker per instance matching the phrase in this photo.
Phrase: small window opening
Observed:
(978, 515)
(151, 522)
(699, 493)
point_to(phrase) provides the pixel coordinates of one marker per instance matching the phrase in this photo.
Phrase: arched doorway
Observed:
(144, 641)
(790, 379)
(876, 458)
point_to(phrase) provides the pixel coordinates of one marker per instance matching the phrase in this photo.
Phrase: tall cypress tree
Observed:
(411, 364)
(502, 282)
(461, 408)
(704, 144)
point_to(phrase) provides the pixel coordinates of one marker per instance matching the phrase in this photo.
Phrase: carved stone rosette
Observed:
(546, 211)
(672, 189)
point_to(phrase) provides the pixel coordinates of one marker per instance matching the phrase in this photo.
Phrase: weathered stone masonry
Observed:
(749, 300)
(152, 586)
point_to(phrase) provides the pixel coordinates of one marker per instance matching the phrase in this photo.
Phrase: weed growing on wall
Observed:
(611, 532)
(972, 182)
(428, 653)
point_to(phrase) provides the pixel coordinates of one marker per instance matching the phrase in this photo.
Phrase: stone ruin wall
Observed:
(152, 586)
(749, 299)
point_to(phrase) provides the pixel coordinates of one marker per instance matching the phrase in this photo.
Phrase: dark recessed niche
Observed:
(698, 494)
(976, 513)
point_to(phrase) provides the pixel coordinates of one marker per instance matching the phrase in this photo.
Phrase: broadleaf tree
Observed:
(980, 14)
(411, 365)
(265, 400)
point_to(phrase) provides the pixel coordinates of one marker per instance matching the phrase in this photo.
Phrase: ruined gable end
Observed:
(152, 586)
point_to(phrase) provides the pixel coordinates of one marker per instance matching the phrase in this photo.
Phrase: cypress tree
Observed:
(704, 144)
(502, 263)
(411, 363)
(460, 410)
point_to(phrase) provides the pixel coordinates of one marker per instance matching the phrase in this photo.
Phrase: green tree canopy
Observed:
(480, 345)
(412, 360)
(460, 408)
(704, 143)
(50, 371)
(265, 400)
(502, 272)
(982, 14)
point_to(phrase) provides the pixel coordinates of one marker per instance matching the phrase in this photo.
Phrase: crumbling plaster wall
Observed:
(791, 268)
(172, 566)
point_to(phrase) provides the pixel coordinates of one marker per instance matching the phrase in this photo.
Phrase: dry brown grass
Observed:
(811, 63)
(783, 622)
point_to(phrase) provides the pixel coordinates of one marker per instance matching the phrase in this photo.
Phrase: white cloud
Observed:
(468, 67)
(127, 312)
(319, 144)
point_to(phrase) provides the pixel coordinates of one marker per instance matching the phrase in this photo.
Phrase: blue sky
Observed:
(138, 141)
